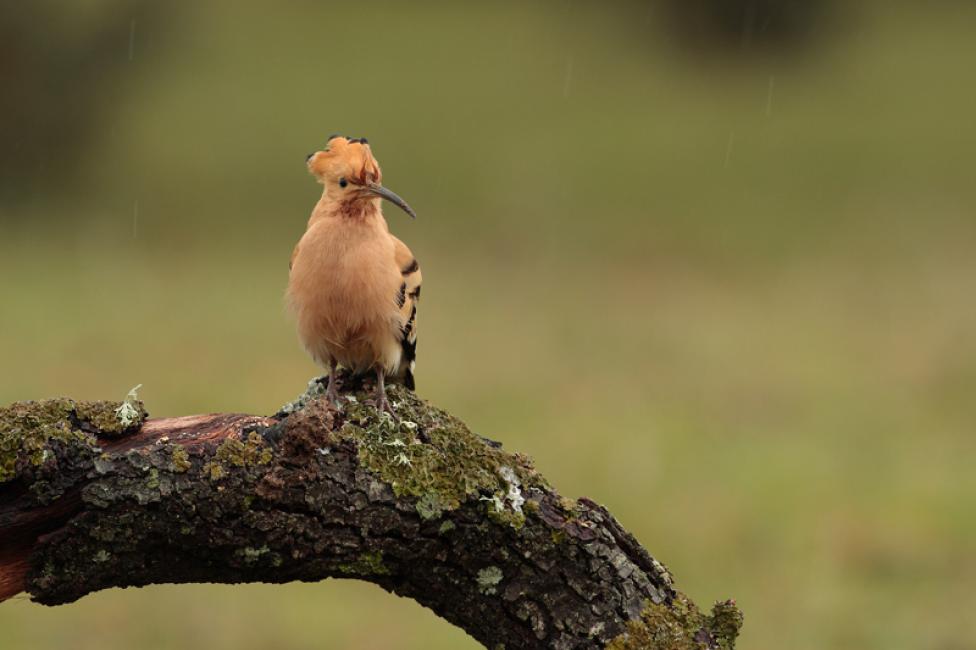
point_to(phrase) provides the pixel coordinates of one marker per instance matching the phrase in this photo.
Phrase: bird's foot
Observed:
(379, 396)
(332, 394)
(383, 405)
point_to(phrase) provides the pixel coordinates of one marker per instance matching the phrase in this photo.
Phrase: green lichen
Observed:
(446, 527)
(429, 506)
(29, 429)
(498, 513)
(725, 623)
(128, 412)
(252, 555)
(681, 626)
(568, 504)
(449, 466)
(488, 579)
(181, 459)
(251, 452)
(505, 507)
(368, 564)
(113, 419)
(215, 471)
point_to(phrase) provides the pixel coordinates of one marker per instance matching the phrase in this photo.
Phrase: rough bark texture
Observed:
(92, 496)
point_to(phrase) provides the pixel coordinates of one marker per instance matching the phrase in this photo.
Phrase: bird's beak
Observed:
(392, 197)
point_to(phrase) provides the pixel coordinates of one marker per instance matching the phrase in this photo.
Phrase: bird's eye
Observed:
(343, 182)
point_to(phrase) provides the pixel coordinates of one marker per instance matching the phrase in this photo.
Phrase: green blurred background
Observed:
(712, 264)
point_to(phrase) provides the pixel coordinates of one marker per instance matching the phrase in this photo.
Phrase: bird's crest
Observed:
(349, 158)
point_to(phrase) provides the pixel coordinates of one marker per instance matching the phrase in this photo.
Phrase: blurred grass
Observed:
(731, 301)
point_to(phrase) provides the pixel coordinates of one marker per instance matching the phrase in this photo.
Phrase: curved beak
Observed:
(392, 197)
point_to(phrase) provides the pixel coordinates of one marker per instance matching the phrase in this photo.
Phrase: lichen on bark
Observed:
(42, 441)
(431, 455)
(420, 506)
(680, 625)
(232, 452)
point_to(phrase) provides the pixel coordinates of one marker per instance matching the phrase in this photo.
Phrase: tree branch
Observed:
(94, 496)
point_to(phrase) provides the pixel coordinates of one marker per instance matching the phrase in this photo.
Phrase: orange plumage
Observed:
(353, 286)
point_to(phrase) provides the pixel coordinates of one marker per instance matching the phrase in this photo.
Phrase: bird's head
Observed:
(350, 173)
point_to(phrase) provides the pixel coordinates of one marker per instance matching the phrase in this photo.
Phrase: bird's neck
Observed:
(360, 210)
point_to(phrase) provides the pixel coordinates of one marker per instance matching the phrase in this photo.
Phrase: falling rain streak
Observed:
(568, 79)
(132, 38)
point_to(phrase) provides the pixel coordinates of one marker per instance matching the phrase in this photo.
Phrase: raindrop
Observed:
(568, 79)
(728, 148)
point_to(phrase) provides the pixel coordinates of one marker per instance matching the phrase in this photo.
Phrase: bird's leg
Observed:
(382, 403)
(332, 392)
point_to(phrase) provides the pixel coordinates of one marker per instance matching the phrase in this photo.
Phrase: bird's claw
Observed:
(332, 397)
(383, 405)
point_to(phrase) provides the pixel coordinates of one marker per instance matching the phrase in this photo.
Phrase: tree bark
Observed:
(94, 496)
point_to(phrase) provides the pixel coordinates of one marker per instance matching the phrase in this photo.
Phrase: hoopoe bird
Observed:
(353, 287)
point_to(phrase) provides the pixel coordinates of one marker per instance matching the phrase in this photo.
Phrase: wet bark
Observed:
(422, 507)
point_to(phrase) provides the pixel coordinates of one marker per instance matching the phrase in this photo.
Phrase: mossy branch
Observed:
(423, 507)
